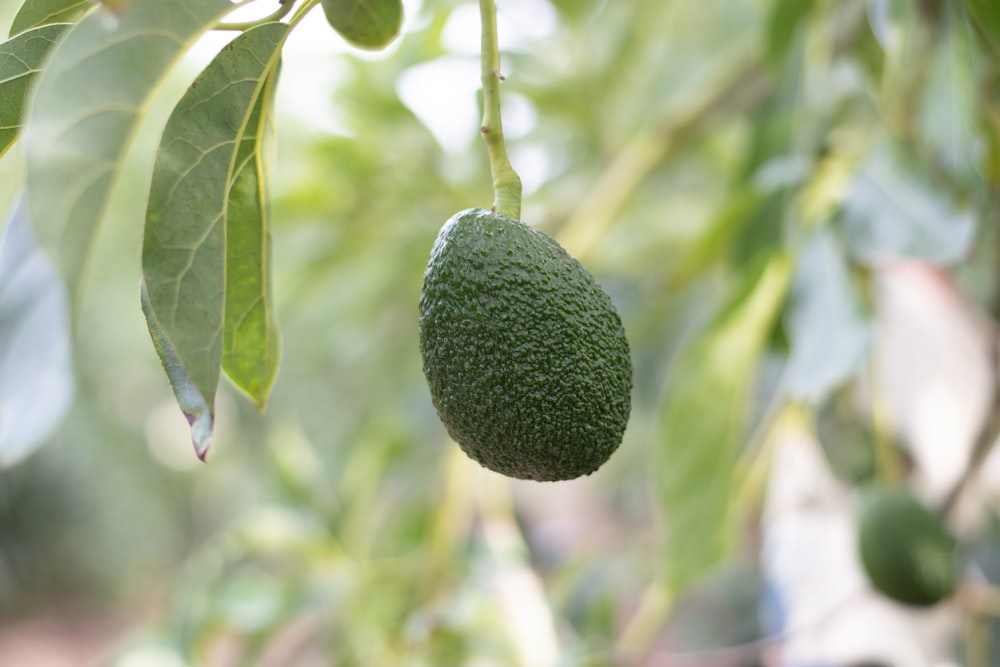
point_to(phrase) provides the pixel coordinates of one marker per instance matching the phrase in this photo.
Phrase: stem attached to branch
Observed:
(506, 182)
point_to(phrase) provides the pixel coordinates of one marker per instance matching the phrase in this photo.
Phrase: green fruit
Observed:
(525, 355)
(906, 550)
(366, 24)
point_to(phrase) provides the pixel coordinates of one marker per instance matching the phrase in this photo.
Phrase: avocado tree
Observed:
(744, 301)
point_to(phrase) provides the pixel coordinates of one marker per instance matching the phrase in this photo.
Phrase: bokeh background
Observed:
(792, 204)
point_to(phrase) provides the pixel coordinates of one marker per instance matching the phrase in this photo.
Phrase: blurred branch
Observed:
(979, 598)
(751, 652)
(987, 436)
(519, 592)
(454, 515)
(977, 641)
(656, 602)
(754, 463)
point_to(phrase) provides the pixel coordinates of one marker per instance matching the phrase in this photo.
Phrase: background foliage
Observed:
(738, 174)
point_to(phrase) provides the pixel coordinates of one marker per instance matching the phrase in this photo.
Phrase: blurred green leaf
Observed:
(948, 113)
(184, 248)
(701, 422)
(890, 212)
(986, 14)
(251, 346)
(36, 374)
(785, 19)
(826, 327)
(880, 21)
(738, 211)
(85, 110)
(21, 59)
(35, 13)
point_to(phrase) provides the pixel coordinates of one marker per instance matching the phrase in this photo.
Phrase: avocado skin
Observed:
(524, 353)
(906, 550)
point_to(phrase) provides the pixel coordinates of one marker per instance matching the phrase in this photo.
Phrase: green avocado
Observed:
(524, 353)
(906, 550)
(367, 24)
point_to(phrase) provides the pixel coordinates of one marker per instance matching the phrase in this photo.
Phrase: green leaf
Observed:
(85, 110)
(880, 21)
(986, 14)
(826, 326)
(21, 59)
(184, 249)
(366, 24)
(948, 112)
(783, 23)
(701, 422)
(35, 13)
(251, 344)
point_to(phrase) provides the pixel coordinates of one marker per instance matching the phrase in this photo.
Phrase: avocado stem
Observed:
(506, 182)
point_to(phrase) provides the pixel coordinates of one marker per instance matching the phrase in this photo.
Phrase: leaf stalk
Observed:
(283, 9)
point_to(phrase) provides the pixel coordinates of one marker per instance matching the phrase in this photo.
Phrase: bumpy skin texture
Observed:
(906, 550)
(525, 355)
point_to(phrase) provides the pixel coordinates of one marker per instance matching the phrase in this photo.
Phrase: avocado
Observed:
(906, 550)
(524, 353)
(366, 24)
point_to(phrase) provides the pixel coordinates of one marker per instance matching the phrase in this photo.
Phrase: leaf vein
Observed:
(191, 252)
(203, 153)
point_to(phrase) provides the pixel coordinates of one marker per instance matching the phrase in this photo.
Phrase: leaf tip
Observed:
(201, 433)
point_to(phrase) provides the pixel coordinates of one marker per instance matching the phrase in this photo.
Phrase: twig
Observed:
(984, 443)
